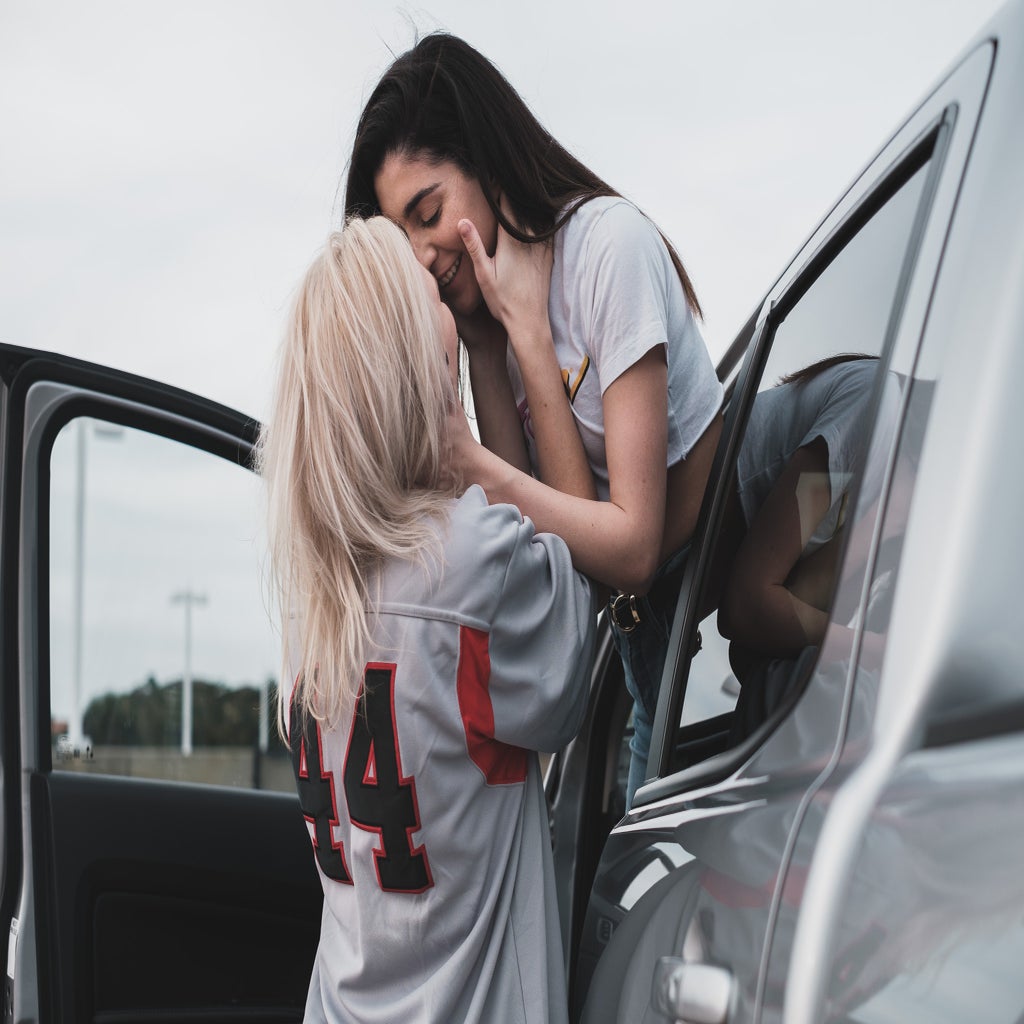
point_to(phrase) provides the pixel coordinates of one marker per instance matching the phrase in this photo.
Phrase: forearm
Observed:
(561, 458)
(607, 542)
(772, 621)
(497, 418)
(774, 598)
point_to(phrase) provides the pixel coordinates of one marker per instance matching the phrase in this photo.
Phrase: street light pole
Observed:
(264, 728)
(75, 725)
(111, 431)
(188, 598)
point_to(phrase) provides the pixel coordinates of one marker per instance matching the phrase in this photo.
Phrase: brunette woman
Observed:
(597, 403)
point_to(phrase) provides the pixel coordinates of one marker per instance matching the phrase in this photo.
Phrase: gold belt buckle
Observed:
(623, 608)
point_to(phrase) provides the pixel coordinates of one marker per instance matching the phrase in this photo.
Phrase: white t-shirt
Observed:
(834, 405)
(426, 808)
(615, 295)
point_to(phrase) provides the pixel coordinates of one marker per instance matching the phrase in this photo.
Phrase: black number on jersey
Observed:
(316, 796)
(379, 798)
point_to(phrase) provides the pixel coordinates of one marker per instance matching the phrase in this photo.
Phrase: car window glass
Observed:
(784, 568)
(162, 658)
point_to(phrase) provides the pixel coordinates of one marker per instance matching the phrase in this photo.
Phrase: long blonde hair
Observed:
(354, 453)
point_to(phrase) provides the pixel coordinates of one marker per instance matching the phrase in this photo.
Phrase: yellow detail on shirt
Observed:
(571, 389)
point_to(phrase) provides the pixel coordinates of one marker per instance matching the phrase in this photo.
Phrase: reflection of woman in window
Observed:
(804, 444)
(435, 642)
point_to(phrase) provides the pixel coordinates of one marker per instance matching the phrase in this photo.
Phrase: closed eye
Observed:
(431, 221)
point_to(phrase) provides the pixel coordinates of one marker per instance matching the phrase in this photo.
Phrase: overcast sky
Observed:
(168, 170)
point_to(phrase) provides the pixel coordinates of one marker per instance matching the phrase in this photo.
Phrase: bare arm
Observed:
(760, 609)
(515, 284)
(493, 401)
(620, 542)
(617, 542)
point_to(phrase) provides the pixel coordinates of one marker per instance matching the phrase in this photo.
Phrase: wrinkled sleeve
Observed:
(540, 644)
(625, 290)
(844, 421)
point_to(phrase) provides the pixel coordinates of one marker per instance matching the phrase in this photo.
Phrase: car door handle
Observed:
(691, 993)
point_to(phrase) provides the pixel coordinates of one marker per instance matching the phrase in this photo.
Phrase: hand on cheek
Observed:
(516, 281)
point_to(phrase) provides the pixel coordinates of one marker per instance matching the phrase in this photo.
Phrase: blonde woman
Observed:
(435, 644)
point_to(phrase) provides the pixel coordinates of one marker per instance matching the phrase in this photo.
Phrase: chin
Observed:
(466, 305)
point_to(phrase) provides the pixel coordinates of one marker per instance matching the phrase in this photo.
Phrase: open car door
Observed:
(150, 870)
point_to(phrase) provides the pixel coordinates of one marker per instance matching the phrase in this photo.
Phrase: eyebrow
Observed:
(415, 201)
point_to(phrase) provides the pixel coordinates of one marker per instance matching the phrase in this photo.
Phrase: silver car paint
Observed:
(793, 865)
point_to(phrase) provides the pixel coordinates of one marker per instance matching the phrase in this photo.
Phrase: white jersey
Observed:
(615, 295)
(426, 809)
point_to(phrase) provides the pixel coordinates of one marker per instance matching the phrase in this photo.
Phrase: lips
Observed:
(449, 275)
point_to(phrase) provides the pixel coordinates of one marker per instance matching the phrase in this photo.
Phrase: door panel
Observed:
(170, 899)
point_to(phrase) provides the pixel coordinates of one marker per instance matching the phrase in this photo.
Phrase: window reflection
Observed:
(789, 556)
(785, 525)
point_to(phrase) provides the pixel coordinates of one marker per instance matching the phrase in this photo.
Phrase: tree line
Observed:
(150, 716)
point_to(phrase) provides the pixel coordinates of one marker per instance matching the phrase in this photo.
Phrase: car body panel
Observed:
(754, 860)
(953, 671)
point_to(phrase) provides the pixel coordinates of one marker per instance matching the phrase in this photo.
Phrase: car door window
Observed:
(162, 659)
(815, 415)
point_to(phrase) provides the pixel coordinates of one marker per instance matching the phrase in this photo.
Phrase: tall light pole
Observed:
(264, 729)
(75, 725)
(113, 432)
(188, 598)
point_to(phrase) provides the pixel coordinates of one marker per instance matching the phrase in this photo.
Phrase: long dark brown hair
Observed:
(446, 101)
(808, 373)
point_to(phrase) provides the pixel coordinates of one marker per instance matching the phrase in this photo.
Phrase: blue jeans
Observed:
(643, 653)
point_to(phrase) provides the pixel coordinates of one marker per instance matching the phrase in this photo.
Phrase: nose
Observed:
(425, 250)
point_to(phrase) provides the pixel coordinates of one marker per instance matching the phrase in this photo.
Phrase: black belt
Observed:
(627, 611)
